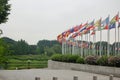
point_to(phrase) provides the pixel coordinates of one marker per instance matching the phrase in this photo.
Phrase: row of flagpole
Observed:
(72, 50)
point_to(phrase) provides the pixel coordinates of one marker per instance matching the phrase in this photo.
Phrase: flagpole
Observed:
(108, 54)
(118, 34)
(85, 45)
(94, 36)
(62, 48)
(89, 44)
(118, 40)
(100, 40)
(81, 46)
(115, 40)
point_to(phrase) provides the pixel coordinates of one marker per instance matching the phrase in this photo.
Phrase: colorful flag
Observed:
(90, 25)
(83, 27)
(114, 19)
(105, 23)
(77, 28)
(71, 30)
(113, 25)
(74, 35)
(93, 33)
(97, 25)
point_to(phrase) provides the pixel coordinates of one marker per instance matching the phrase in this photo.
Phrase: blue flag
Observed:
(113, 25)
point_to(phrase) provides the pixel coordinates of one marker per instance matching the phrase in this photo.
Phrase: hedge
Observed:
(92, 60)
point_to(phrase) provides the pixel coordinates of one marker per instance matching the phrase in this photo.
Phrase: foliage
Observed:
(21, 47)
(21, 61)
(4, 11)
(65, 58)
(3, 51)
(48, 47)
(80, 60)
(103, 61)
(72, 58)
(57, 57)
(114, 61)
(91, 60)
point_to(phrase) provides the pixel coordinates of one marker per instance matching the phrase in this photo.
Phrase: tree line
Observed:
(9, 46)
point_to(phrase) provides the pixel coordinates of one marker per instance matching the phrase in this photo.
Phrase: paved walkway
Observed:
(46, 74)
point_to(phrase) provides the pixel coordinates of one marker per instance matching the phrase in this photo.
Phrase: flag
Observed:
(67, 33)
(86, 31)
(105, 23)
(97, 25)
(113, 25)
(114, 19)
(59, 38)
(93, 33)
(74, 35)
(76, 28)
(71, 30)
(90, 25)
(83, 27)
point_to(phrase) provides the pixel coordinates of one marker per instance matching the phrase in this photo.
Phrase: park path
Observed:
(47, 74)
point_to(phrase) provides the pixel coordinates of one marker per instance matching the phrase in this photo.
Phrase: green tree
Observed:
(4, 11)
(21, 48)
(3, 51)
(45, 44)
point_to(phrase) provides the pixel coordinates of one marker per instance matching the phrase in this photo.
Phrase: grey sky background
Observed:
(34, 20)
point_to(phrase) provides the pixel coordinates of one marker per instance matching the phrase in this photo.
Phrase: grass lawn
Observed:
(27, 61)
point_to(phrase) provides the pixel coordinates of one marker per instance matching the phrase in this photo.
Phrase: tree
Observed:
(21, 48)
(4, 11)
(3, 51)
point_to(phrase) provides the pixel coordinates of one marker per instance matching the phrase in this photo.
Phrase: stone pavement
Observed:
(47, 74)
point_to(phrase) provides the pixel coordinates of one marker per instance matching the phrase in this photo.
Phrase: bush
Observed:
(114, 61)
(103, 61)
(65, 58)
(72, 58)
(91, 60)
(80, 60)
(57, 57)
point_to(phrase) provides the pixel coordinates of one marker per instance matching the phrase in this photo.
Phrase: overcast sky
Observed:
(34, 20)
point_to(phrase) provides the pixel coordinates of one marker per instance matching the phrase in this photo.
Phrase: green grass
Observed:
(21, 61)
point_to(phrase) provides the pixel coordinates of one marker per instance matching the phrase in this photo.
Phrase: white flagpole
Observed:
(100, 40)
(94, 36)
(81, 46)
(108, 54)
(118, 40)
(118, 35)
(62, 47)
(89, 44)
(115, 40)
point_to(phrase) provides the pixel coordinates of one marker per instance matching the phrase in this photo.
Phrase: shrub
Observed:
(114, 61)
(102, 61)
(57, 57)
(91, 60)
(65, 58)
(80, 60)
(72, 58)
